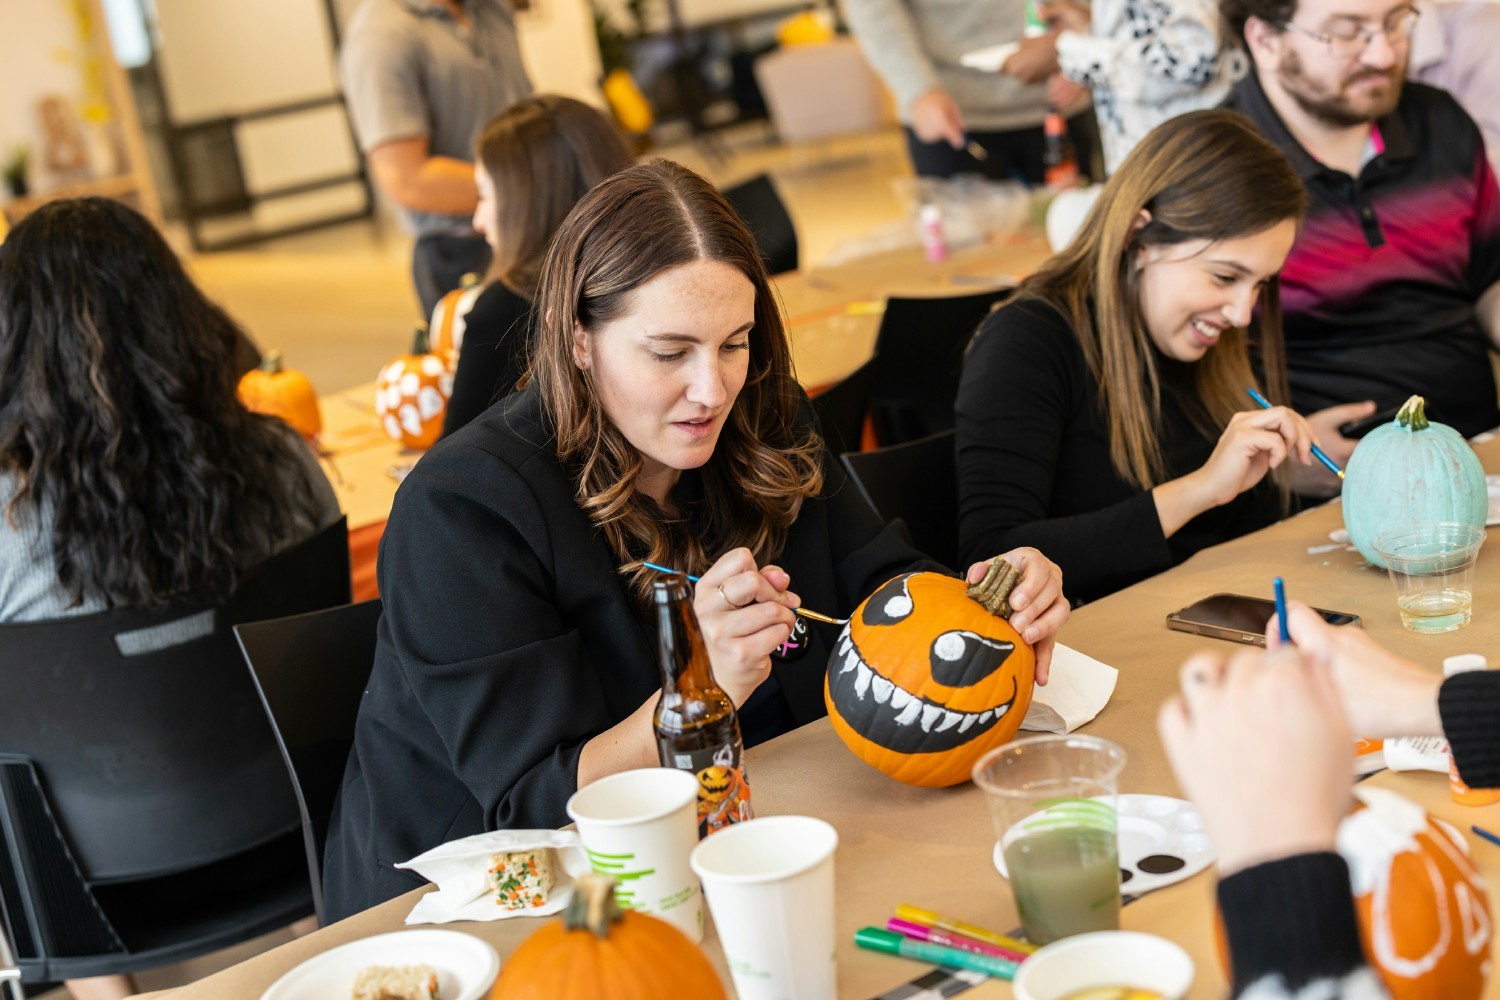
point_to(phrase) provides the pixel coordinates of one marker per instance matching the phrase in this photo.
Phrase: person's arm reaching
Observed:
(419, 182)
(890, 40)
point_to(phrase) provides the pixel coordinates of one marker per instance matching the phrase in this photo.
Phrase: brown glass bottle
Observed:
(697, 729)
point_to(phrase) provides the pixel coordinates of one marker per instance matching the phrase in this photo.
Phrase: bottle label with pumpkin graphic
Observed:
(714, 758)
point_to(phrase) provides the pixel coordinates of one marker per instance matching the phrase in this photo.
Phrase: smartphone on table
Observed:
(1239, 618)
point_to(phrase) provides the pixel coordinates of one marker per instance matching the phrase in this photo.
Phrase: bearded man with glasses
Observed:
(1393, 286)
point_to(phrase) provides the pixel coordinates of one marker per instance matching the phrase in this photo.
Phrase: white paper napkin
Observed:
(460, 868)
(1077, 689)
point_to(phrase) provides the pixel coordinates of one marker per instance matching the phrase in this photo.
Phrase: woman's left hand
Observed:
(1038, 607)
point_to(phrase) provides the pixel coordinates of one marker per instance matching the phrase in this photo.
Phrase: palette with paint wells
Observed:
(1162, 842)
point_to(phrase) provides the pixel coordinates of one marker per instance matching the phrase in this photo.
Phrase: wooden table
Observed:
(832, 314)
(932, 847)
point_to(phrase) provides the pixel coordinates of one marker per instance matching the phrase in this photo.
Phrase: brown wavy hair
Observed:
(119, 418)
(1204, 175)
(630, 228)
(542, 154)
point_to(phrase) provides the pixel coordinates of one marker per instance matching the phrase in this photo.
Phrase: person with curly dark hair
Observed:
(660, 420)
(130, 473)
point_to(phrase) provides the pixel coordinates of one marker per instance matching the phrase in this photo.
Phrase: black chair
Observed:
(764, 212)
(918, 359)
(311, 672)
(842, 409)
(917, 482)
(145, 815)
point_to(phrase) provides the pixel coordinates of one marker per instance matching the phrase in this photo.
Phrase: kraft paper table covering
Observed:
(932, 847)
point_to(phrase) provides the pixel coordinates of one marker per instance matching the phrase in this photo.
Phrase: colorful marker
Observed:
(1280, 590)
(1318, 453)
(917, 915)
(1492, 838)
(876, 939)
(921, 932)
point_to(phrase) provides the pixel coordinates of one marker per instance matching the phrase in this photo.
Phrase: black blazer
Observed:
(497, 332)
(508, 641)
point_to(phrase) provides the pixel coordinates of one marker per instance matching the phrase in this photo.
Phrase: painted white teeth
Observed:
(1001, 710)
(845, 643)
(850, 662)
(963, 726)
(899, 698)
(882, 688)
(950, 719)
(861, 680)
(929, 716)
(909, 714)
(985, 716)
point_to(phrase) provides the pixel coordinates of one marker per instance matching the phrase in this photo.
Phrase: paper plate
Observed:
(1161, 843)
(466, 966)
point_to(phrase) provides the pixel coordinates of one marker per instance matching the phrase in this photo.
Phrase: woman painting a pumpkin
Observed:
(1103, 415)
(130, 473)
(661, 421)
(532, 164)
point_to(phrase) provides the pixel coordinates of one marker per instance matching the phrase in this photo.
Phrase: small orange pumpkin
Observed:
(924, 680)
(1423, 909)
(602, 953)
(282, 392)
(411, 395)
(450, 318)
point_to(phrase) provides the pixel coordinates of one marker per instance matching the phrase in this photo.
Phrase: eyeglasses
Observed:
(1350, 38)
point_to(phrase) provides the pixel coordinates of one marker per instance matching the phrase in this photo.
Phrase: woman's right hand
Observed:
(1254, 443)
(744, 612)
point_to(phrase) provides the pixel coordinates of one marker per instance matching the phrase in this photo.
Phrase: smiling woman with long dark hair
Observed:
(130, 474)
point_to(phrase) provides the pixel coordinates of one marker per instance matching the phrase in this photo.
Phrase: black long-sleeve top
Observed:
(1291, 921)
(497, 331)
(1034, 465)
(508, 640)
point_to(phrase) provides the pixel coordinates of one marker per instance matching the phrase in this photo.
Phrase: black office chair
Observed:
(918, 359)
(917, 482)
(145, 815)
(842, 409)
(311, 672)
(761, 207)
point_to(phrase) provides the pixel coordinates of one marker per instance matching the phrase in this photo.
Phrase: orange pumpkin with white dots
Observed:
(411, 395)
(924, 680)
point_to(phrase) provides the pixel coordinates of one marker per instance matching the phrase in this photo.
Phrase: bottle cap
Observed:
(1052, 123)
(1463, 663)
(669, 587)
(930, 214)
(877, 939)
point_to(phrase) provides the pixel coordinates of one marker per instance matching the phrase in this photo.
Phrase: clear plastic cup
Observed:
(1053, 802)
(1432, 566)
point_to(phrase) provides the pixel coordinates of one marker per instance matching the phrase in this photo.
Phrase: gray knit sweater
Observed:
(29, 590)
(915, 45)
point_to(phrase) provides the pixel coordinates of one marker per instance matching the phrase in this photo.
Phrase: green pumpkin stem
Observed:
(271, 363)
(593, 905)
(420, 343)
(994, 590)
(1413, 414)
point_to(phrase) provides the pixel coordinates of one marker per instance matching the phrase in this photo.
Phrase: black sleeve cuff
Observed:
(1469, 704)
(1293, 917)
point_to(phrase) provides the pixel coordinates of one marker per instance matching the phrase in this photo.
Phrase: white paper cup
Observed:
(1104, 958)
(769, 884)
(638, 827)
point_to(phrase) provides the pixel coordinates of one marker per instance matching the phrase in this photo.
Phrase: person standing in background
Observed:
(1453, 48)
(422, 77)
(1142, 63)
(915, 46)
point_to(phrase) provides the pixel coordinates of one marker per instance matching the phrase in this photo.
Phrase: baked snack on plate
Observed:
(406, 982)
(522, 879)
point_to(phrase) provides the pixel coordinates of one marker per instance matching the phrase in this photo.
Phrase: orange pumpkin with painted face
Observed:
(924, 680)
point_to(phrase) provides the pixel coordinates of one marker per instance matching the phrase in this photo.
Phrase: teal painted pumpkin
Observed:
(1411, 471)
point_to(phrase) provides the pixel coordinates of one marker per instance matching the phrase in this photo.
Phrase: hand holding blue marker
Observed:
(1280, 590)
(1318, 453)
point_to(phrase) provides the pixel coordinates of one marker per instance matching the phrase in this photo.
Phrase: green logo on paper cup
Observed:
(615, 866)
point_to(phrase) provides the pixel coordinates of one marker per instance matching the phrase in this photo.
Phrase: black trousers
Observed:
(1013, 156)
(440, 260)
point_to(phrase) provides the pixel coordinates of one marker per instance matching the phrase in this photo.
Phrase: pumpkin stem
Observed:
(420, 344)
(992, 592)
(593, 905)
(271, 363)
(1413, 414)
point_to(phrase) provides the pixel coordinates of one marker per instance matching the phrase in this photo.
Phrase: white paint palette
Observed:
(1162, 842)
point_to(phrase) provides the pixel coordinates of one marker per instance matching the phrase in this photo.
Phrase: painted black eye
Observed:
(888, 605)
(962, 659)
